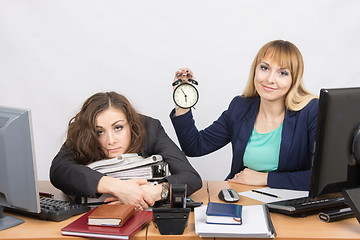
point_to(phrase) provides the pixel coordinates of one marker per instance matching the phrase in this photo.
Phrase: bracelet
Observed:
(164, 191)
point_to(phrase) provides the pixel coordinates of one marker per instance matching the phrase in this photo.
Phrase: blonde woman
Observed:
(271, 126)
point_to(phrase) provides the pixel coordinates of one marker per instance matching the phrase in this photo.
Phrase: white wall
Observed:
(55, 54)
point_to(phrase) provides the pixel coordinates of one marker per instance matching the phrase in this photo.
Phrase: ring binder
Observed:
(129, 166)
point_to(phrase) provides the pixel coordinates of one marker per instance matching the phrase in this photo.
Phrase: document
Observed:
(256, 223)
(280, 194)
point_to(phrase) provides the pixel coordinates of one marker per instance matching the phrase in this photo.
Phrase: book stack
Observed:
(122, 229)
(128, 166)
(228, 220)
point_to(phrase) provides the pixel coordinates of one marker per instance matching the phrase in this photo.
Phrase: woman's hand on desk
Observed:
(250, 177)
(126, 191)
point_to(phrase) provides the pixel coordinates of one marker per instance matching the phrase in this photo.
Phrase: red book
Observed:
(81, 228)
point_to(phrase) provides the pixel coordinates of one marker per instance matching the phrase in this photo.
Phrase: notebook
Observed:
(81, 228)
(223, 213)
(111, 215)
(256, 223)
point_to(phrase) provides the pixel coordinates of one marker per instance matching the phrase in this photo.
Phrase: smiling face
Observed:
(272, 82)
(113, 132)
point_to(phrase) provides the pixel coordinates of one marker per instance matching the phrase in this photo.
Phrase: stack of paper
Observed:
(256, 223)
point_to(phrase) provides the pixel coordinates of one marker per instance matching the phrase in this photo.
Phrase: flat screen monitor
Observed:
(336, 157)
(18, 178)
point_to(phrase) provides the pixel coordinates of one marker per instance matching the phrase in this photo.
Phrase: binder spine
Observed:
(272, 232)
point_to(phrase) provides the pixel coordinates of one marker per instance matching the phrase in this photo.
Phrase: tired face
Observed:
(113, 132)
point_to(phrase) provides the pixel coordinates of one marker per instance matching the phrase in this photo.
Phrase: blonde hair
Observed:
(287, 55)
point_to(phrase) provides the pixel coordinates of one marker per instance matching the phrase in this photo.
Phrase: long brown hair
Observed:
(82, 138)
(287, 55)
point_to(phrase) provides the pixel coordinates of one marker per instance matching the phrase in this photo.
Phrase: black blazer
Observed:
(76, 179)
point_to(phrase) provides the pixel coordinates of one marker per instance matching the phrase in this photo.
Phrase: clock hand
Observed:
(183, 92)
(184, 95)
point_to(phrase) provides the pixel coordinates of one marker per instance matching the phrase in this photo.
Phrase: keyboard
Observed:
(55, 210)
(305, 206)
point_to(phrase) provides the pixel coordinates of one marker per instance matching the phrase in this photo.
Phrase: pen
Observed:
(264, 193)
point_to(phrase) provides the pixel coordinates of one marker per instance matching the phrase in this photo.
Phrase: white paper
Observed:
(284, 194)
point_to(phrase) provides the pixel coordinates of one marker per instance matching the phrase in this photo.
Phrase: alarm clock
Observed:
(186, 95)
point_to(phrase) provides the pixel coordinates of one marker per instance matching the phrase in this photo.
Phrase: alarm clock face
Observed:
(185, 95)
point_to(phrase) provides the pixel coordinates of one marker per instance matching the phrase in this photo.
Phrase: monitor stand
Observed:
(7, 221)
(352, 198)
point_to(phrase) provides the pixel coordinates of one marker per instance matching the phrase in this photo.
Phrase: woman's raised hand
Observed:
(182, 76)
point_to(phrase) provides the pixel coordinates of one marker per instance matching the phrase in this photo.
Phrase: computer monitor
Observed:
(18, 178)
(336, 152)
(336, 160)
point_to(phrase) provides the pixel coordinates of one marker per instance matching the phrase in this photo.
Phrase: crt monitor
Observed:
(18, 178)
(336, 157)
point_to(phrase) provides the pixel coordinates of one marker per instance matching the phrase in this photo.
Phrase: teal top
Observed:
(262, 151)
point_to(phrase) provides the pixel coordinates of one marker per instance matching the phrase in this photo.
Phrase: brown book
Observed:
(80, 227)
(111, 215)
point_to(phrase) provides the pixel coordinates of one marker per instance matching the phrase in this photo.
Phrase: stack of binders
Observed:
(128, 166)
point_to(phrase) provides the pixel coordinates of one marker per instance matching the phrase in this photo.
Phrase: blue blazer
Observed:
(235, 126)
